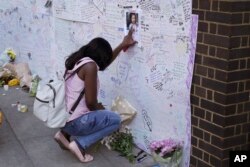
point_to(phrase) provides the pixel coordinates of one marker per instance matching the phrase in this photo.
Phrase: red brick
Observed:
(192, 89)
(238, 130)
(229, 131)
(237, 6)
(237, 18)
(224, 30)
(214, 161)
(225, 163)
(244, 41)
(245, 147)
(211, 106)
(240, 6)
(248, 85)
(240, 108)
(233, 65)
(248, 62)
(218, 17)
(209, 95)
(239, 75)
(214, 62)
(195, 100)
(212, 51)
(194, 120)
(199, 91)
(194, 141)
(230, 110)
(222, 53)
(202, 27)
(215, 85)
(202, 163)
(240, 30)
(246, 17)
(196, 152)
(218, 120)
(216, 40)
(195, 4)
(203, 49)
(208, 116)
(243, 64)
(241, 86)
(235, 42)
(237, 98)
(198, 59)
(204, 4)
(210, 73)
(213, 28)
(234, 141)
(200, 13)
(236, 119)
(199, 112)
(207, 137)
(201, 70)
(215, 5)
(196, 80)
(214, 129)
(239, 53)
(211, 149)
(200, 37)
(197, 133)
(221, 75)
(246, 128)
(220, 98)
(206, 157)
(219, 142)
(225, 6)
(231, 87)
(193, 161)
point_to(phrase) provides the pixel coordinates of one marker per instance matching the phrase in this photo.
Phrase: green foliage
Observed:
(123, 143)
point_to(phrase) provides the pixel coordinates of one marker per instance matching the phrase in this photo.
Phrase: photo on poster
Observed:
(132, 21)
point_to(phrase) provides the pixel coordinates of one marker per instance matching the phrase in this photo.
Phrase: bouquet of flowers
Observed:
(121, 141)
(167, 152)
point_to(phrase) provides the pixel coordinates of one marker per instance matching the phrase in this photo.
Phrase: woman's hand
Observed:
(128, 40)
(99, 106)
(124, 45)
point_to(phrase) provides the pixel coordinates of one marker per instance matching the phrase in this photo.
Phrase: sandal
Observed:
(61, 140)
(82, 156)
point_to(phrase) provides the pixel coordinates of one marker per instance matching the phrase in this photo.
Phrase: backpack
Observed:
(49, 105)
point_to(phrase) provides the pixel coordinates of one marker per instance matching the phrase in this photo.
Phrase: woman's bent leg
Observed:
(92, 127)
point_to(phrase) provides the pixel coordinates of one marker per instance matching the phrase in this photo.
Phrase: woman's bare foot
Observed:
(62, 139)
(81, 155)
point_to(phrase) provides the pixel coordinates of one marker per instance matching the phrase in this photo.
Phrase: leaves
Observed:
(123, 143)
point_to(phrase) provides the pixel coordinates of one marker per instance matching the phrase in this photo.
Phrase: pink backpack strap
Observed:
(82, 62)
(77, 66)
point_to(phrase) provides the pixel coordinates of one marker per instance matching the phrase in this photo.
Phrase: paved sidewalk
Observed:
(26, 142)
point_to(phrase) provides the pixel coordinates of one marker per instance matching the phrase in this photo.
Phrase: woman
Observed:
(89, 122)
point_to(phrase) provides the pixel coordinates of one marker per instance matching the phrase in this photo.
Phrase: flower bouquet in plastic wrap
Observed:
(167, 153)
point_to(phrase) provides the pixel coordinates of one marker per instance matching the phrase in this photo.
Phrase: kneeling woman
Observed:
(89, 122)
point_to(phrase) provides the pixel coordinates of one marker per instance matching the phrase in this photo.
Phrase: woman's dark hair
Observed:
(98, 49)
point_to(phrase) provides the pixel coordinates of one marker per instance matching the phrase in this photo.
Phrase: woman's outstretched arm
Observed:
(126, 43)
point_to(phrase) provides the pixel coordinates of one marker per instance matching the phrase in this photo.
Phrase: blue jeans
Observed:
(91, 127)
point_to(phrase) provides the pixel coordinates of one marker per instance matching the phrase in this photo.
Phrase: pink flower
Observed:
(166, 146)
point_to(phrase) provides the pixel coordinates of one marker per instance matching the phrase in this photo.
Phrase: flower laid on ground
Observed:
(165, 147)
(167, 152)
(121, 141)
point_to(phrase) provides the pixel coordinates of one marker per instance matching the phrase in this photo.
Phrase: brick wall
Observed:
(221, 82)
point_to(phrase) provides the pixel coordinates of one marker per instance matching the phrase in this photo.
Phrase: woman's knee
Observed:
(114, 117)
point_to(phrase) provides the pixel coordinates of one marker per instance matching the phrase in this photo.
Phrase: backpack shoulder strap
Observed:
(78, 66)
